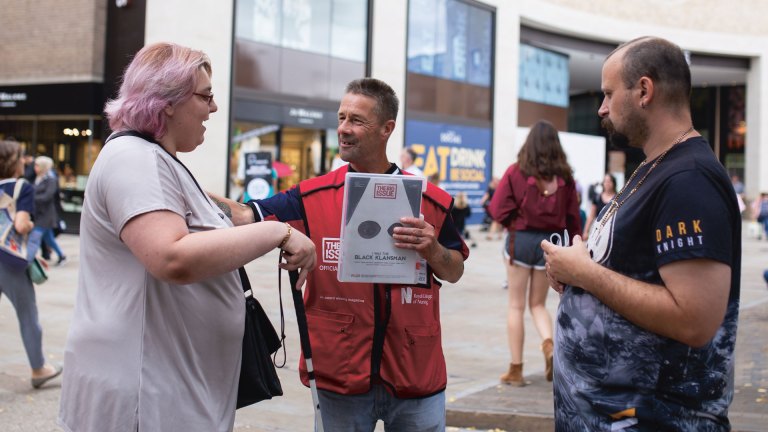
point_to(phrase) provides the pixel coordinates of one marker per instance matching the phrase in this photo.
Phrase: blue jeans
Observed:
(50, 240)
(359, 413)
(17, 286)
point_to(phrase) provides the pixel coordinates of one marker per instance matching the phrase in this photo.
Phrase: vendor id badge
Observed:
(372, 208)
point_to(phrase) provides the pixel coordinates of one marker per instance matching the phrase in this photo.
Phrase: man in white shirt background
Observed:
(407, 162)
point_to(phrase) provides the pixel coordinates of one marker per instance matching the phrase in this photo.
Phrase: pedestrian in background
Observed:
(760, 214)
(29, 168)
(489, 225)
(599, 201)
(648, 317)
(46, 195)
(536, 197)
(408, 162)
(156, 336)
(460, 213)
(15, 284)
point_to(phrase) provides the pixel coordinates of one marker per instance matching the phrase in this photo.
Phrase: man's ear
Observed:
(646, 87)
(387, 129)
(168, 110)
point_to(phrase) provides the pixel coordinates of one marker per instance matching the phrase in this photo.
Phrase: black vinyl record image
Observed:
(391, 229)
(368, 229)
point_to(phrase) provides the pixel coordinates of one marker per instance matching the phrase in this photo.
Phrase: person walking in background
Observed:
(489, 225)
(15, 284)
(648, 315)
(536, 198)
(376, 354)
(582, 213)
(156, 337)
(600, 200)
(46, 195)
(460, 213)
(738, 187)
(434, 178)
(760, 214)
(29, 168)
(408, 162)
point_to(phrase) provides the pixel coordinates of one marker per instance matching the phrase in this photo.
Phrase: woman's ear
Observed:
(168, 110)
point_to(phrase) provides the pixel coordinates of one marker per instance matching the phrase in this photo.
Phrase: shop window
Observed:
(248, 137)
(336, 28)
(306, 25)
(450, 39)
(259, 21)
(544, 76)
(349, 30)
(423, 17)
(308, 48)
(480, 41)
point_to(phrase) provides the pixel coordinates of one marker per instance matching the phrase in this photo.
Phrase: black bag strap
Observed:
(249, 293)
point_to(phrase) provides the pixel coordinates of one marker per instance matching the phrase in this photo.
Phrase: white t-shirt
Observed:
(413, 169)
(142, 352)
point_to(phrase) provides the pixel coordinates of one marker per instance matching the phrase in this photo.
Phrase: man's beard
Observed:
(617, 139)
(634, 135)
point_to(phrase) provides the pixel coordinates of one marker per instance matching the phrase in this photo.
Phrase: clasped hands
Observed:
(566, 265)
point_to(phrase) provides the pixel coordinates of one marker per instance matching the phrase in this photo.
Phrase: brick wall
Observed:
(52, 41)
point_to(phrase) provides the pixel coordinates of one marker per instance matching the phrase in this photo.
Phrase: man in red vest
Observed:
(377, 351)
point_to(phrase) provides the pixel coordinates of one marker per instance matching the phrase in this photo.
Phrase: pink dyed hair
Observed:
(159, 75)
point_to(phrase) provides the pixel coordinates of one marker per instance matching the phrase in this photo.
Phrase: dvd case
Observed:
(372, 208)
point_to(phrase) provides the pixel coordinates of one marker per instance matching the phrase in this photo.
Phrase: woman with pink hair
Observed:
(156, 337)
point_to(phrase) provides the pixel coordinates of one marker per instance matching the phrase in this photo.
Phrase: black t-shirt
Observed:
(685, 209)
(598, 202)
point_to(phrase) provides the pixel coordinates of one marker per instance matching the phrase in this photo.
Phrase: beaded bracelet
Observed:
(287, 236)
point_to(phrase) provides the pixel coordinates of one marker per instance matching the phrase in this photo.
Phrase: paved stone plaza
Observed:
(474, 339)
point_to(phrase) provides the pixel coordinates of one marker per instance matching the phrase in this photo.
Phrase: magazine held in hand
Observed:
(373, 206)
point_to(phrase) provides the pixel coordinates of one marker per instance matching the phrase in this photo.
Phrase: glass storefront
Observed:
(62, 121)
(295, 153)
(449, 87)
(306, 48)
(73, 142)
(292, 62)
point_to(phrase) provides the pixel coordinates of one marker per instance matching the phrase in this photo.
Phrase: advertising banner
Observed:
(461, 155)
(258, 176)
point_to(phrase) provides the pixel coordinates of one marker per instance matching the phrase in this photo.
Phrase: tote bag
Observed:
(16, 250)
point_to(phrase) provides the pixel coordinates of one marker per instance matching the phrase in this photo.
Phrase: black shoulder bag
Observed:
(258, 377)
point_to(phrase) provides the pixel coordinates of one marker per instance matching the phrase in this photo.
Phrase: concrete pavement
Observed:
(474, 340)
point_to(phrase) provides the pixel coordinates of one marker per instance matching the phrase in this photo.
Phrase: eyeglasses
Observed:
(207, 97)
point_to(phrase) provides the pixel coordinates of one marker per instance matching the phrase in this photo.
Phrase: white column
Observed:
(390, 24)
(207, 26)
(756, 149)
(506, 82)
